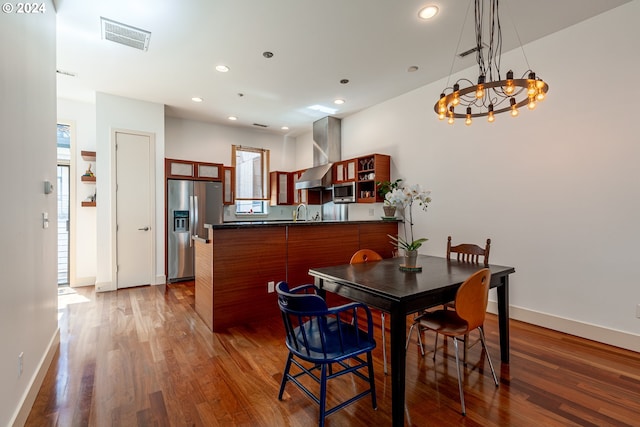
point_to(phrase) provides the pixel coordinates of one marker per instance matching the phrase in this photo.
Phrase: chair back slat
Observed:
(469, 252)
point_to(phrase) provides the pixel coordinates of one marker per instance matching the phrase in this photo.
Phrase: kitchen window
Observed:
(252, 168)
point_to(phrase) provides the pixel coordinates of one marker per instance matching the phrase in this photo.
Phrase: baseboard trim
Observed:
(161, 280)
(29, 397)
(589, 331)
(83, 281)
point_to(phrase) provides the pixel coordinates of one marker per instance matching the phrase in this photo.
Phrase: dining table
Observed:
(385, 286)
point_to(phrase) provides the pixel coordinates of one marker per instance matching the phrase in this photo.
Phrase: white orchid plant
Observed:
(404, 198)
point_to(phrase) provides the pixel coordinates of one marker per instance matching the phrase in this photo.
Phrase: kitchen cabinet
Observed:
(228, 184)
(344, 171)
(182, 169)
(306, 196)
(371, 168)
(281, 188)
(89, 177)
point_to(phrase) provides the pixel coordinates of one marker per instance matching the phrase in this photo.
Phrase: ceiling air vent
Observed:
(470, 51)
(260, 125)
(125, 34)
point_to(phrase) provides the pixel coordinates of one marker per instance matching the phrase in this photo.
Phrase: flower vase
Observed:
(389, 211)
(410, 261)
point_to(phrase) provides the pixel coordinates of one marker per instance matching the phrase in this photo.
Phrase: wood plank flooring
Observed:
(143, 357)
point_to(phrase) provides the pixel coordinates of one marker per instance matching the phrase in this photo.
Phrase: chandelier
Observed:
(492, 95)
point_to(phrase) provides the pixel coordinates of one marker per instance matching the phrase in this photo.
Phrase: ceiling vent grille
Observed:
(470, 51)
(260, 125)
(127, 35)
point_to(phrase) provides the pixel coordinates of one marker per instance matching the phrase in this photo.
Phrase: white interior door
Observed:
(134, 209)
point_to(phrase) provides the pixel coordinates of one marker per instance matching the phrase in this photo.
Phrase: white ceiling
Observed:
(315, 43)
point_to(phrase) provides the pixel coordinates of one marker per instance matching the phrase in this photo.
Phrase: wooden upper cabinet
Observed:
(187, 169)
(306, 196)
(344, 171)
(229, 184)
(371, 168)
(281, 188)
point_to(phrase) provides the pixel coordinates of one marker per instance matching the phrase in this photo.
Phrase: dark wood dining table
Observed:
(384, 286)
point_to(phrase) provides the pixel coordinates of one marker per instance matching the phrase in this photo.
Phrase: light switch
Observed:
(45, 220)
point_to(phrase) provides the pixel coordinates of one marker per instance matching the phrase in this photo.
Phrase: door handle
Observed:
(144, 229)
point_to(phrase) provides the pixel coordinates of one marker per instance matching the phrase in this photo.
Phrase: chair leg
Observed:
(372, 381)
(384, 345)
(435, 346)
(284, 376)
(455, 344)
(406, 346)
(465, 343)
(323, 393)
(484, 346)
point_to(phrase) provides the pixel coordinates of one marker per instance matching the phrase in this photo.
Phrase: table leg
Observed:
(398, 327)
(503, 318)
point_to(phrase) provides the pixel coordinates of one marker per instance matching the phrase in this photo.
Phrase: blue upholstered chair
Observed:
(321, 340)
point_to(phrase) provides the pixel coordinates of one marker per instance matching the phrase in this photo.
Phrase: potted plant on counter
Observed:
(385, 187)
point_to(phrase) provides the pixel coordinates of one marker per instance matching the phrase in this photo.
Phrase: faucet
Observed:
(306, 211)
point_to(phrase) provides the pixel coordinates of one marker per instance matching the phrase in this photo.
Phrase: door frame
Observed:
(114, 199)
(73, 200)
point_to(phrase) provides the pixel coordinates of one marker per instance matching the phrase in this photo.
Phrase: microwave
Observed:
(344, 192)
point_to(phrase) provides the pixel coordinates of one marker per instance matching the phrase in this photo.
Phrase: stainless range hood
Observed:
(326, 150)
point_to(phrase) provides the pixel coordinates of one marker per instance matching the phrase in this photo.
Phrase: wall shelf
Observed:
(88, 204)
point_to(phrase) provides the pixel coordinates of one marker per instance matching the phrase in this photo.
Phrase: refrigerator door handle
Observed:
(191, 221)
(197, 219)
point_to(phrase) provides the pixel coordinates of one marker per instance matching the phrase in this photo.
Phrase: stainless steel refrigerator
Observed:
(191, 205)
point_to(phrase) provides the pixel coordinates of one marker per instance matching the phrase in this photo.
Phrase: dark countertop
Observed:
(282, 223)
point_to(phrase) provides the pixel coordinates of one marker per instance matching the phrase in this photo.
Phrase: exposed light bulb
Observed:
(441, 116)
(456, 96)
(509, 88)
(450, 121)
(468, 119)
(532, 103)
(541, 96)
(480, 92)
(514, 109)
(490, 117)
(442, 108)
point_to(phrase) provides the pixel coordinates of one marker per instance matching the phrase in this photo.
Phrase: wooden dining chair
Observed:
(469, 314)
(367, 255)
(463, 252)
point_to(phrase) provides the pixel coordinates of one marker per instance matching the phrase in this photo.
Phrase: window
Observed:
(252, 168)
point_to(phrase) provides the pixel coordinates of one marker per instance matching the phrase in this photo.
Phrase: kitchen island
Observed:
(239, 262)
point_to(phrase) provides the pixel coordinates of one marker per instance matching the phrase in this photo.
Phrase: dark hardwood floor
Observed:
(143, 357)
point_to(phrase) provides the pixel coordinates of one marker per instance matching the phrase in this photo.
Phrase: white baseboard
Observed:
(589, 331)
(105, 287)
(161, 280)
(29, 397)
(83, 281)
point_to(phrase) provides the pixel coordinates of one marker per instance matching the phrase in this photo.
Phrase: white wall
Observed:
(82, 117)
(117, 113)
(210, 142)
(28, 270)
(555, 189)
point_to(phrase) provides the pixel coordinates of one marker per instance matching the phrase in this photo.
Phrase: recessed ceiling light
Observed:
(233, 118)
(196, 99)
(339, 101)
(428, 12)
(222, 68)
(285, 128)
